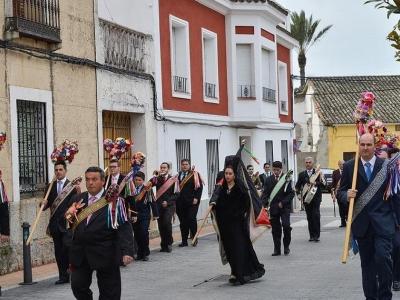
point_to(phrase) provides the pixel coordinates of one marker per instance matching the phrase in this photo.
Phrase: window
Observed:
(397, 127)
(210, 66)
(245, 72)
(32, 147)
(284, 154)
(268, 94)
(269, 151)
(212, 164)
(283, 87)
(180, 58)
(348, 155)
(182, 151)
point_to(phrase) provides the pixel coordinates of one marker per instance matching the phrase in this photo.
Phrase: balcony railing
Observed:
(209, 89)
(125, 48)
(180, 84)
(284, 106)
(39, 19)
(246, 92)
(268, 95)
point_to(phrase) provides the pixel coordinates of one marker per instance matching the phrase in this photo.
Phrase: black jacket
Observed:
(58, 223)
(108, 182)
(189, 192)
(303, 179)
(169, 196)
(4, 219)
(97, 243)
(284, 196)
(144, 207)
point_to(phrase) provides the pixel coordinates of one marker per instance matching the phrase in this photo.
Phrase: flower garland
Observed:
(3, 139)
(65, 152)
(364, 111)
(117, 148)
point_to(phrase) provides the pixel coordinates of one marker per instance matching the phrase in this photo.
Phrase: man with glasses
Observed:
(115, 176)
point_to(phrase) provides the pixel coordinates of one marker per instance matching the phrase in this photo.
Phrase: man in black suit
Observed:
(343, 205)
(115, 176)
(188, 201)
(166, 206)
(374, 220)
(312, 208)
(266, 174)
(4, 213)
(277, 195)
(57, 227)
(96, 246)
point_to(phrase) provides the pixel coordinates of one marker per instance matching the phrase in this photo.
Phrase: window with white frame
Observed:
(283, 87)
(212, 164)
(182, 151)
(268, 82)
(245, 71)
(180, 57)
(210, 66)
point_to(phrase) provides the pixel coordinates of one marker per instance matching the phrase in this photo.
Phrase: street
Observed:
(312, 271)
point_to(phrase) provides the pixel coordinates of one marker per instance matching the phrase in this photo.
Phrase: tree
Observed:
(393, 7)
(304, 30)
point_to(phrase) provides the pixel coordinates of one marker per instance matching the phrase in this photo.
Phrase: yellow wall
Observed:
(341, 139)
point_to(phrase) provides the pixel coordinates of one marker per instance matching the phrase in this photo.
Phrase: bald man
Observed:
(374, 219)
(343, 205)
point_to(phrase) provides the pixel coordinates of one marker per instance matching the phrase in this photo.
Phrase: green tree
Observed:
(392, 7)
(304, 30)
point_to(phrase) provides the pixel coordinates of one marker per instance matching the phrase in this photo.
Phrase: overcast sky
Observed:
(355, 45)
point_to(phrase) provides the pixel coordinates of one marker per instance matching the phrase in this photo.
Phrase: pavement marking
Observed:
(301, 223)
(335, 223)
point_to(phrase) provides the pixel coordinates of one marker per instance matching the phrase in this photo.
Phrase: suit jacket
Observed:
(120, 178)
(57, 223)
(189, 192)
(284, 197)
(378, 213)
(335, 178)
(97, 243)
(4, 219)
(169, 196)
(144, 207)
(263, 178)
(304, 179)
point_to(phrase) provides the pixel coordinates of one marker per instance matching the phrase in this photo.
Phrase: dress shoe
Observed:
(183, 244)
(396, 286)
(169, 249)
(232, 279)
(276, 253)
(311, 239)
(286, 251)
(62, 281)
(316, 240)
(139, 257)
(145, 258)
(163, 250)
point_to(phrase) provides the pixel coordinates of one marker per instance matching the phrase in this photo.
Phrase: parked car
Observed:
(328, 176)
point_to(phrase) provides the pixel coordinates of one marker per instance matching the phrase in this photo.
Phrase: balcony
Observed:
(38, 19)
(209, 90)
(246, 92)
(180, 85)
(125, 48)
(268, 95)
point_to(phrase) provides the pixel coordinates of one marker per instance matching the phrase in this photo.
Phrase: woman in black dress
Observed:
(231, 211)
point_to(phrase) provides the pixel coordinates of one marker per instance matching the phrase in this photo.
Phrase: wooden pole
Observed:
(194, 241)
(345, 254)
(28, 241)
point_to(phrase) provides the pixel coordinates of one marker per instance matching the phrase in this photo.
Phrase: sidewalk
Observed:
(50, 270)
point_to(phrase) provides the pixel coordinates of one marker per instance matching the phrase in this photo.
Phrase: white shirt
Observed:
(98, 196)
(114, 179)
(372, 162)
(61, 183)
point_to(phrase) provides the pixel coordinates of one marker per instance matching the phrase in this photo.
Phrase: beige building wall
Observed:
(74, 113)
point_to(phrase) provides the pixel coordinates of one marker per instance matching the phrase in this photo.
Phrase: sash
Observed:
(277, 188)
(60, 198)
(91, 209)
(140, 196)
(165, 187)
(185, 180)
(371, 190)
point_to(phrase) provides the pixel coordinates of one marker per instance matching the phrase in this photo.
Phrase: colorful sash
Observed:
(279, 185)
(185, 181)
(89, 210)
(165, 187)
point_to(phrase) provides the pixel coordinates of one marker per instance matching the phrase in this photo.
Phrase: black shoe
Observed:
(163, 250)
(276, 253)
(316, 240)
(169, 249)
(183, 244)
(139, 257)
(232, 279)
(311, 239)
(62, 281)
(396, 286)
(286, 251)
(146, 258)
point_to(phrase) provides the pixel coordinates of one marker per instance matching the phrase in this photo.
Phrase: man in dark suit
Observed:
(96, 246)
(373, 224)
(57, 224)
(4, 213)
(277, 195)
(343, 205)
(266, 174)
(188, 201)
(312, 208)
(115, 176)
(166, 207)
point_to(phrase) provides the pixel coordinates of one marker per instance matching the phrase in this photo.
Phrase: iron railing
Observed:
(32, 147)
(209, 89)
(246, 91)
(180, 84)
(268, 95)
(38, 19)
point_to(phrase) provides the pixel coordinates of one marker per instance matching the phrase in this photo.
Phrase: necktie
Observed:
(91, 200)
(59, 187)
(368, 170)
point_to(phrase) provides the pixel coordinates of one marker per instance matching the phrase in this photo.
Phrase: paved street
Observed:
(312, 271)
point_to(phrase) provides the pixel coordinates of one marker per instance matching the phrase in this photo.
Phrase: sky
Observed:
(355, 45)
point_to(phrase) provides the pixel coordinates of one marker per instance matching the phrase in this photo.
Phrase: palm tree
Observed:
(304, 30)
